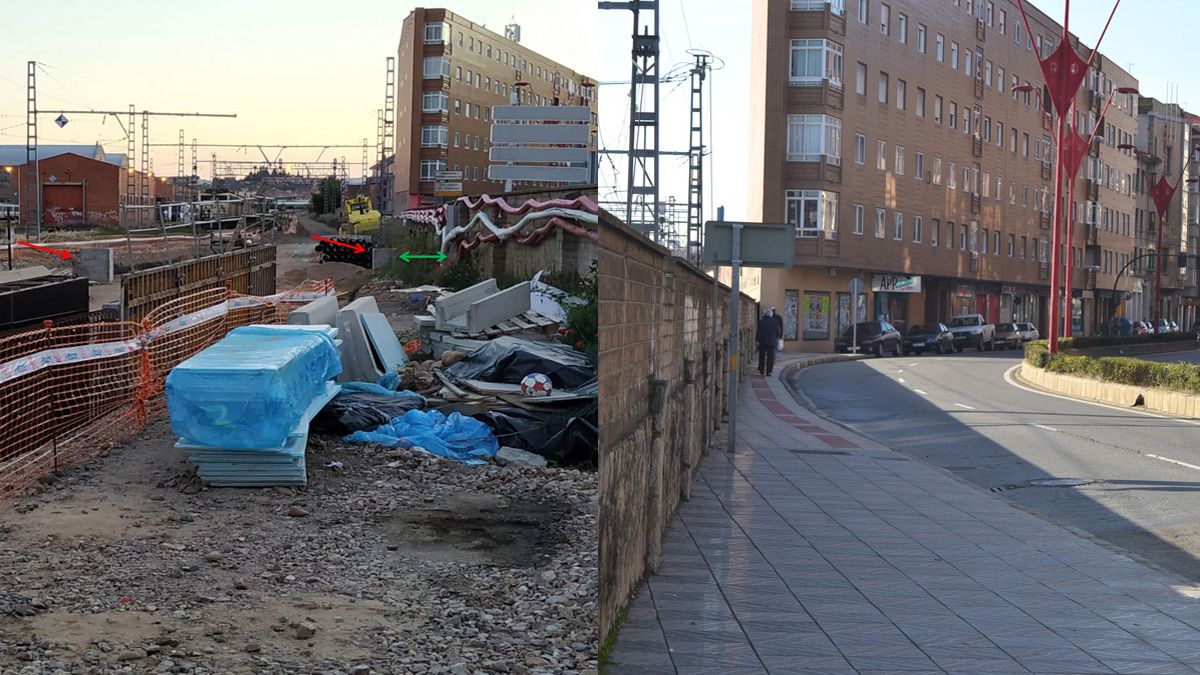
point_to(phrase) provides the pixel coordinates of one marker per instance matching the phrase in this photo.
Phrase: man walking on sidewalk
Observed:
(766, 336)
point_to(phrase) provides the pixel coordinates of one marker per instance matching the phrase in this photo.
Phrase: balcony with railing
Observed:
(823, 95)
(824, 245)
(827, 15)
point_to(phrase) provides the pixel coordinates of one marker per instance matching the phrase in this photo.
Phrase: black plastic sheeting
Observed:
(563, 438)
(507, 359)
(360, 411)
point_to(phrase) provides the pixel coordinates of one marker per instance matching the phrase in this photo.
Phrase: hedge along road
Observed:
(963, 413)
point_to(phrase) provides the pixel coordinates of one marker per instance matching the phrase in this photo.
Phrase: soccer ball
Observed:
(536, 384)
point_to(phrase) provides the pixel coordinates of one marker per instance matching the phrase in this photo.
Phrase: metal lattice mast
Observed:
(194, 177)
(364, 164)
(31, 142)
(130, 155)
(144, 191)
(389, 131)
(179, 169)
(379, 161)
(641, 209)
(695, 214)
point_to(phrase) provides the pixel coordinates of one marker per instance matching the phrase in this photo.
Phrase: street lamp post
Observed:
(1063, 72)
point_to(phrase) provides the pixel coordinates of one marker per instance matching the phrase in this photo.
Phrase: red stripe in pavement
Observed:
(767, 397)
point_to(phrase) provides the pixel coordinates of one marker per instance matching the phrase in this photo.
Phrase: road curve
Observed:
(962, 413)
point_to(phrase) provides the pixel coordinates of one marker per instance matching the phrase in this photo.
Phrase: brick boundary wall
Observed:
(662, 396)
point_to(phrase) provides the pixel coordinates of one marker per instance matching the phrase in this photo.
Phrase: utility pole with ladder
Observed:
(695, 213)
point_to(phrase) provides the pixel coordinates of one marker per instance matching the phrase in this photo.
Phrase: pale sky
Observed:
(1156, 36)
(294, 71)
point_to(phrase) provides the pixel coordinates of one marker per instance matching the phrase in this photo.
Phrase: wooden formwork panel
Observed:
(248, 271)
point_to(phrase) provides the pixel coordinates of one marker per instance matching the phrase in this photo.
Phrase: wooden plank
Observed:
(540, 320)
(525, 325)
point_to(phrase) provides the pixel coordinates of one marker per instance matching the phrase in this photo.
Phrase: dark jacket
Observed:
(768, 332)
(779, 320)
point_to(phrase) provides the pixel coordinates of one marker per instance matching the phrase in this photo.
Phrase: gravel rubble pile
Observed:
(388, 562)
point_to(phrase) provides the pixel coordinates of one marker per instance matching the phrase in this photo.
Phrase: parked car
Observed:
(931, 337)
(1029, 332)
(1008, 336)
(1174, 326)
(1164, 326)
(1143, 327)
(972, 330)
(875, 337)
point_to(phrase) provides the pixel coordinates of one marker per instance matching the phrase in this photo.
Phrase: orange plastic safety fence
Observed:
(70, 392)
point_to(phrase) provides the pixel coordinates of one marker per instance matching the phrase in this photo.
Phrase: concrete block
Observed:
(358, 364)
(498, 307)
(381, 257)
(424, 322)
(455, 305)
(96, 264)
(322, 311)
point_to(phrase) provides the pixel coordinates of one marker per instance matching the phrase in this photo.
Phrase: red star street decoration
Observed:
(1162, 192)
(1075, 148)
(1064, 72)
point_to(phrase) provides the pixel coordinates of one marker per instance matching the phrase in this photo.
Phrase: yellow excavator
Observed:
(359, 216)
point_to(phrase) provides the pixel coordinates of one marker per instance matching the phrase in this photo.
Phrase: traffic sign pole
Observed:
(734, 349)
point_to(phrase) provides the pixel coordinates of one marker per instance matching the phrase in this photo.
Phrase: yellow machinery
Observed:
(359, 216)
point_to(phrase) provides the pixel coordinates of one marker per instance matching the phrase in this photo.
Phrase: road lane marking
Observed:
(1043, 426)
(900, 378)
(900, 370)
(921, 392)
(1008, 377)
(963, 405)
(1175, 461)
(911, 364)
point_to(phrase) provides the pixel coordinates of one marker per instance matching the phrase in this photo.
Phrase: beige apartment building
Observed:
(450, 72)
(890, 136)
(1164, 148)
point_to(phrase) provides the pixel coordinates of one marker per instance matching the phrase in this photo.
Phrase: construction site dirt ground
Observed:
(388, 562)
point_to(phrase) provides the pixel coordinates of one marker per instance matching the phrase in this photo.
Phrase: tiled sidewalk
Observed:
(813, 549)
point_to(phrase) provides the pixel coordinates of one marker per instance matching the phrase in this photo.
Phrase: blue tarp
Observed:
(250, 389)
(455, 437)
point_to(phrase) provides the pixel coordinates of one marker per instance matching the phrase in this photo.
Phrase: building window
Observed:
(467, 109)
(811, 211)
(436, 66)
(953, 115)
(860, 149)
(951, 177)
(987, 73)
(962, 237)
(880, 225)
(860, 80)
(996, 242)
(814, 61)
(937, 109)
(934, 232)
(435, 136)
(457, 107)
(811, 137)
(899, 160)
(1012, 244)
(1003, 19)
(898, 228)
(435, 101)
(885, 19)
(430, 167)
(940, 43)
(954, 56)
(881, 158)
(999, 134)
(457, 139)
(458, 73)
(858, 219)
(920, 102)
(983, 248)
(901, 93)
(435, 32)
(902, 29)
(921, 33)
(864, 11)
(936, 172)
(1024, 246)
(837, 7)
(917, 221)
(883, 87)
(1000, 80)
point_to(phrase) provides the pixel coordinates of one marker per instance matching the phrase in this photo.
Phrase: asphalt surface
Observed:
(1189, 357)
(961, 413)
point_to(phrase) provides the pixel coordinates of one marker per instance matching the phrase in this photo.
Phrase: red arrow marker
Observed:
(357, 248)
(62, 254)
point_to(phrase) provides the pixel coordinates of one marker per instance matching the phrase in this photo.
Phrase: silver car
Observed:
(1028, 332)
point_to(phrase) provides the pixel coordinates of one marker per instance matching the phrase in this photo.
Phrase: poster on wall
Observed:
(862, 308)
(791, 313)
(816, 316)
(843, 311)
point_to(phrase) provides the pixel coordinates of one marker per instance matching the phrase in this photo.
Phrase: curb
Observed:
(791, 368)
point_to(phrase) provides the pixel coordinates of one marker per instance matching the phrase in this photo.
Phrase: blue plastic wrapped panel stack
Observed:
(243, 405)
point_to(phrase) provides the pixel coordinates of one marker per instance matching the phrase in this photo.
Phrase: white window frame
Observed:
(919, 161)
(829, 69)
(435, 33)
(829, 138)
(880, 223)
(860, 149)
(884, 84)
(918, 221)
(902, 28)
(837, 7)
(901, 94)
(897, 226)
(922, 38)
(940, 48)
(881, 157)
(825, 205)
(434, 136)
(885, 19)
(435, 101)
(440, 67)
(858, 219)
(899, 160)
(430, 167)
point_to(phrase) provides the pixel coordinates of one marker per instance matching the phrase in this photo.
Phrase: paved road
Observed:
(1191, 357)
(961, 413)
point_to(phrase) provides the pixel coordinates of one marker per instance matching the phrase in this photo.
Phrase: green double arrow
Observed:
(408, 257)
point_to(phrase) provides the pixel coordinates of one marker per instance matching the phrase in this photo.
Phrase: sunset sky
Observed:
(294, 71)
